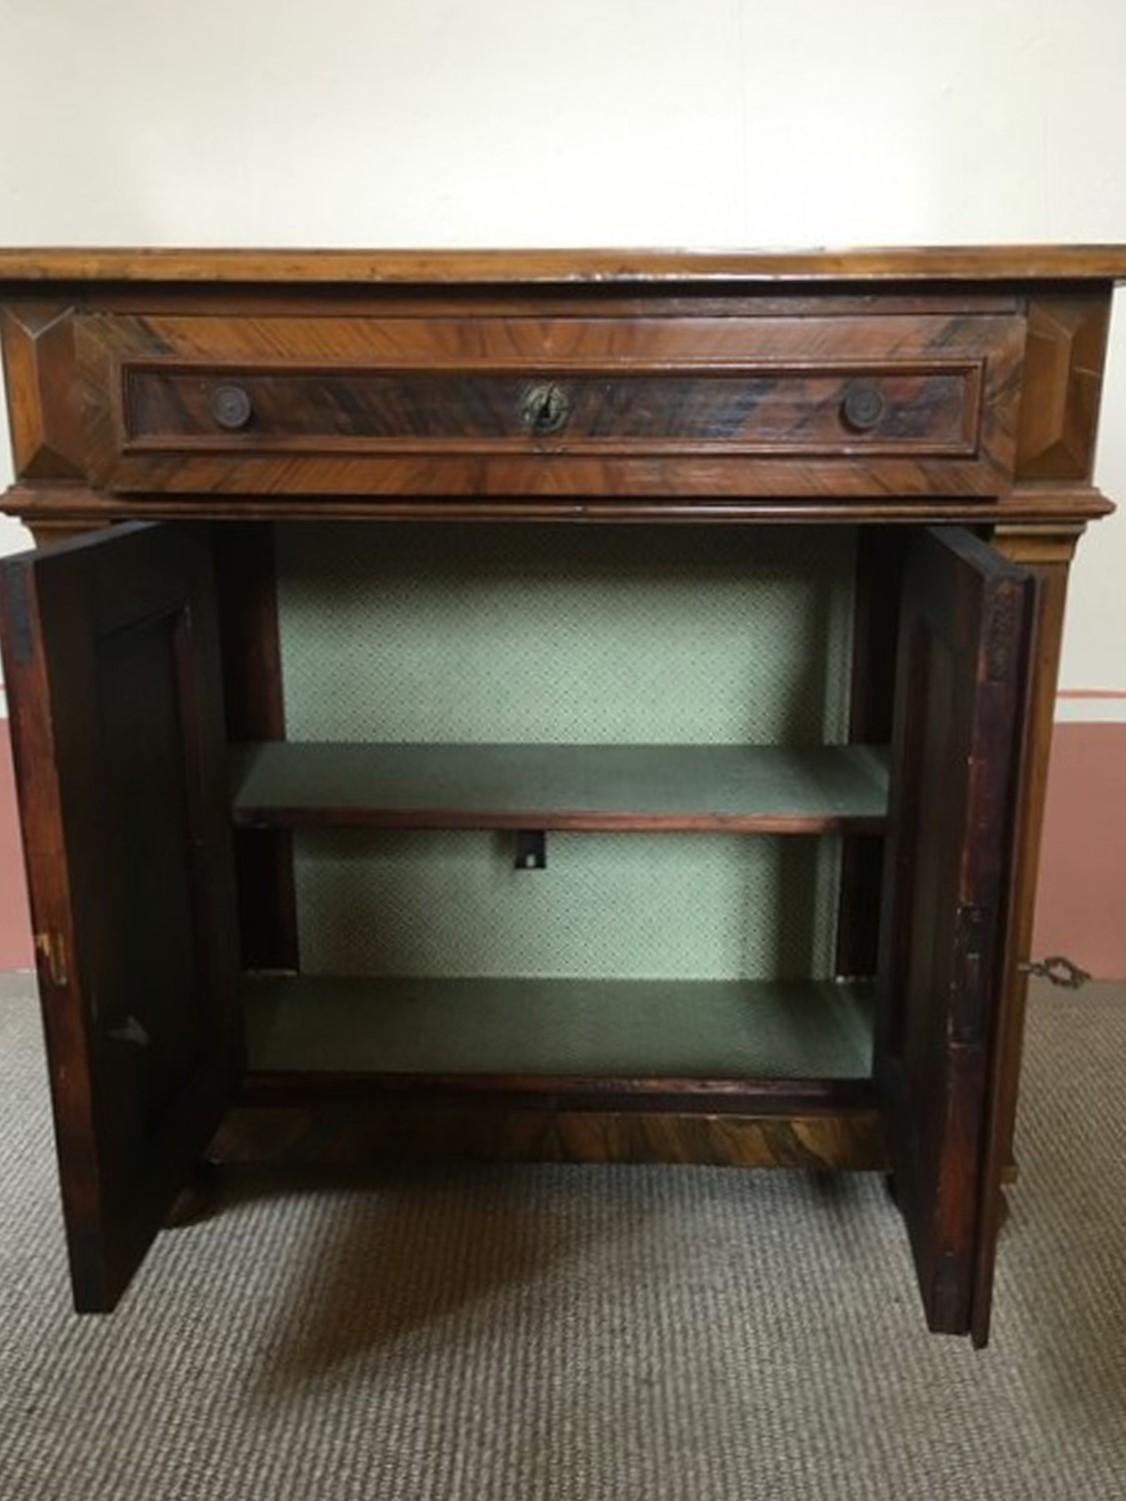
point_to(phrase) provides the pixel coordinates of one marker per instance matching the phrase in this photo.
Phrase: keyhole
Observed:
(545, 408)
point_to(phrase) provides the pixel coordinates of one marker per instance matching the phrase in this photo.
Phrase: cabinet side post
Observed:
(255, 706)
(1047, 553)
(878, 576)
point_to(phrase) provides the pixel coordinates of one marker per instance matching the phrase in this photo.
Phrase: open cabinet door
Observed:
(961, 682)
(112, 665)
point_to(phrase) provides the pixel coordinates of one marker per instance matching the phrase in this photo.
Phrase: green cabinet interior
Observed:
(668, 648)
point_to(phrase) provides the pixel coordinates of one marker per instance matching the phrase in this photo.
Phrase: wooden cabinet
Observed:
(205, 422)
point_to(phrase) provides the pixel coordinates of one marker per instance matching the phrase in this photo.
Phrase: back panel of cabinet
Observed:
(532, 635)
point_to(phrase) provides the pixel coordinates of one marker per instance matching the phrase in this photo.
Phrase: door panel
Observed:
(112, 665)
(961, 682)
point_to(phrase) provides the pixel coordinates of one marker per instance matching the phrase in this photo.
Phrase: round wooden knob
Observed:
(231, 407)
(863, 406)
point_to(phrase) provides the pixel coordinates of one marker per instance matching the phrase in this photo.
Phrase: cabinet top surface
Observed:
(556, 267)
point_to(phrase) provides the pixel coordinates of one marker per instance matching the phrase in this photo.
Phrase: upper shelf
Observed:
(673, 788)
(559, 267)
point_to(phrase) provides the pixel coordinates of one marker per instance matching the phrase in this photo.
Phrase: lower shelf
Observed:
(625, 1029)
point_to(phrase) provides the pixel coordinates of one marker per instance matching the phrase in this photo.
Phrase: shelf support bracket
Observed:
(531, 849)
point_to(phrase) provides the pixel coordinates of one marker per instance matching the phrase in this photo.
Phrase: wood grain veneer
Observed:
(950, 263)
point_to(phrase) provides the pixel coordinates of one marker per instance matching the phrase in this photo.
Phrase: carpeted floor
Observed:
(578, 1334)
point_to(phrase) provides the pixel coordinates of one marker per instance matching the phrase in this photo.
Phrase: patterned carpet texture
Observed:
(577, 1334)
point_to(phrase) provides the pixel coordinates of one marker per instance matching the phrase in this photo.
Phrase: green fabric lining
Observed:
(761, 1029)
(556, 635)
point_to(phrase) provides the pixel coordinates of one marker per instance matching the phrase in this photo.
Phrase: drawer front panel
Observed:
(882, 405)
(934, 410)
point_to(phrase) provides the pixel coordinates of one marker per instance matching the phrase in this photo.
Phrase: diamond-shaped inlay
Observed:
(1062, 376)
(43, 401)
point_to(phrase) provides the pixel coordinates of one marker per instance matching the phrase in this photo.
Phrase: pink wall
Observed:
(15, 924)
(1081, 903)
(1080, 911)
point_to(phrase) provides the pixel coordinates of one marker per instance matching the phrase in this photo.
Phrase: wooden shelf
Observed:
(675, 788)
(620, 1029)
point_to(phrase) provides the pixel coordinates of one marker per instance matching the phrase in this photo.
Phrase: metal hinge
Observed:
(51, 950)
(531, 849)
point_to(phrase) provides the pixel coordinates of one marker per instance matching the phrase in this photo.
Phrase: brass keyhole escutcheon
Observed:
(545, 407)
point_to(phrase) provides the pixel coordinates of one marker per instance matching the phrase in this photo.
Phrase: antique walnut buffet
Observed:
(185, 422)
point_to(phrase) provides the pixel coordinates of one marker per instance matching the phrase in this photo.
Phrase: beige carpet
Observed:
(578, 1334)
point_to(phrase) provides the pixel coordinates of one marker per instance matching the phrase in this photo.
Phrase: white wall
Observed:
(640, 122)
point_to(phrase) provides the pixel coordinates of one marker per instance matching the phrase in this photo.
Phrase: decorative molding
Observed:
(43, 400)
(1050, 518)
(1064, 356)
(1038, 543)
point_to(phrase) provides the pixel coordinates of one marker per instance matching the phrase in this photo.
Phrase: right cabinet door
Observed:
(961, 683)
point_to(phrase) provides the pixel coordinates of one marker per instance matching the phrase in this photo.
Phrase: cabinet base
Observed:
(354, 1132)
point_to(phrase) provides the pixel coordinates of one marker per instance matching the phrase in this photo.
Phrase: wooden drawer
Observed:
(880, 405)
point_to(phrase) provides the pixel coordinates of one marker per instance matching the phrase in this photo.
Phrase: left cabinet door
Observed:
(112, 667)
